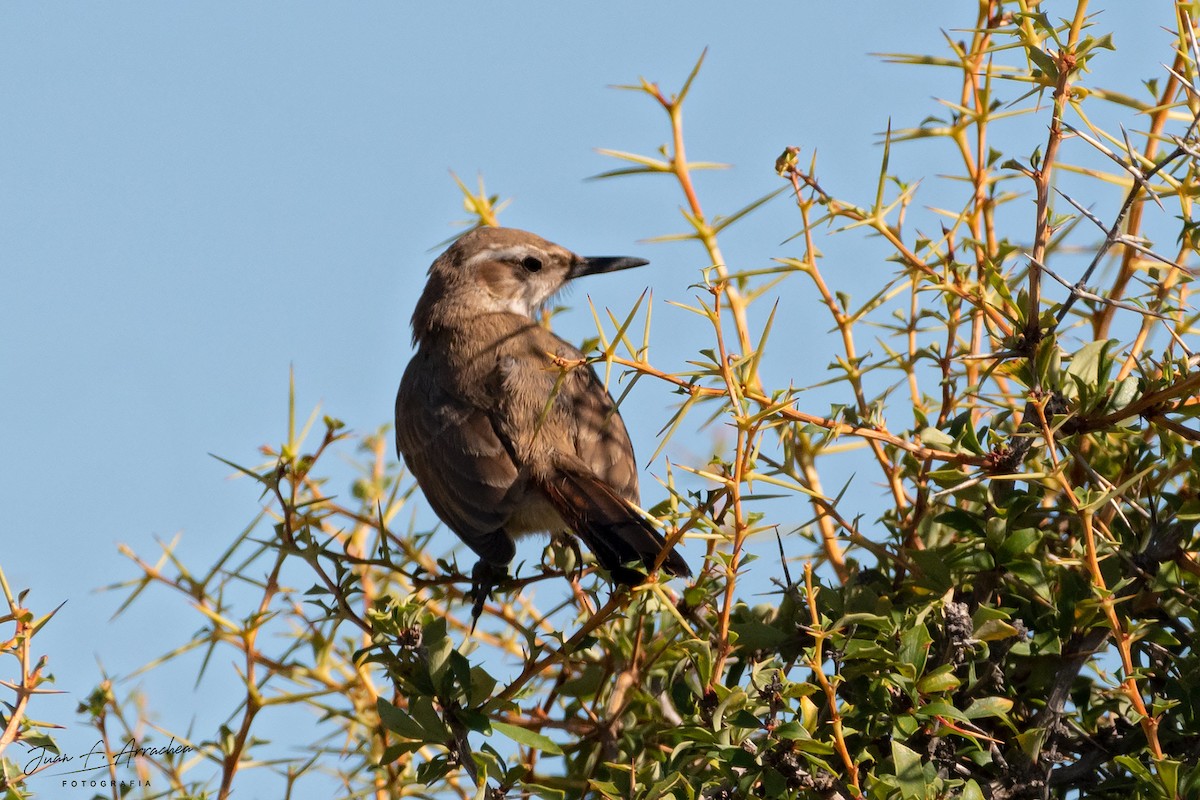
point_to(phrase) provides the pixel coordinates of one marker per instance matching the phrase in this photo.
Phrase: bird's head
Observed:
(490, 270)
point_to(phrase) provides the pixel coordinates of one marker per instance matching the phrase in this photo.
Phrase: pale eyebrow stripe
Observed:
(504, 253)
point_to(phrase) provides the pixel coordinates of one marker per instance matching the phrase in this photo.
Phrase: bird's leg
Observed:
(485, 577)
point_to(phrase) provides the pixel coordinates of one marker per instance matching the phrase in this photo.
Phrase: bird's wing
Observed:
(463, 467)
(599, 436)
(571, 442)
(543, 411)
(614, 531)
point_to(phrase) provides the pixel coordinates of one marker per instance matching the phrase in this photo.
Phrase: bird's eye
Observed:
(531, 263)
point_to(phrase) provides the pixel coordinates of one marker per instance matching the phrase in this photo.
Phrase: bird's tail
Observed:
(609, 525)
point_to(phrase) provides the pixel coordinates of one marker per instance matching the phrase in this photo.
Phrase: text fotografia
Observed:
(93, 783)
(98, 758)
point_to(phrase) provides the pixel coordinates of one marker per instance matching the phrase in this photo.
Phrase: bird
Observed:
(506, 427)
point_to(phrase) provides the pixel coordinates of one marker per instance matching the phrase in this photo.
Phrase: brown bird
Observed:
(503, 442)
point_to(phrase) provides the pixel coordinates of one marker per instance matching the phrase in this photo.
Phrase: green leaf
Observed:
(914, 647)
(940, 709)
(606, 788)
(909, 773)
(815, 746)
(35, 740)
(544, 792)
(940, 440)
(434, 769)
(1168, 775)
(455, 682)
(702, 659)
(531, 739)
(586, 685)
(988, 707)
(948, 476)
(422, 710)
(439, 645)
(962, 521)
(1135, 766)
(1018, 542)
(1126, 389)
(995, 630)
(744, 719)
(398, 720)
(482, 684)
(394, 751)
(720, 223)
(1031, 741)
(662, 789)
(863, 619)
(1091, 365)
(940, 680)
(755, 635)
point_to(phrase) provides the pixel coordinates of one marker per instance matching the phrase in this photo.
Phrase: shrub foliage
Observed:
(1017, 620)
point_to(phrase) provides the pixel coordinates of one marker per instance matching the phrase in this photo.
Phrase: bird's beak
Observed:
(594, 265)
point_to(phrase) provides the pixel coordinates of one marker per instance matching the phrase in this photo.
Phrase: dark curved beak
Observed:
(594, 265)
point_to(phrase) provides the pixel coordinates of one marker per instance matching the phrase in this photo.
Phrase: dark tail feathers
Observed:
(616, 534)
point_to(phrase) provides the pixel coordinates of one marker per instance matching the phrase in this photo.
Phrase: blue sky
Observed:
(196, 197)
